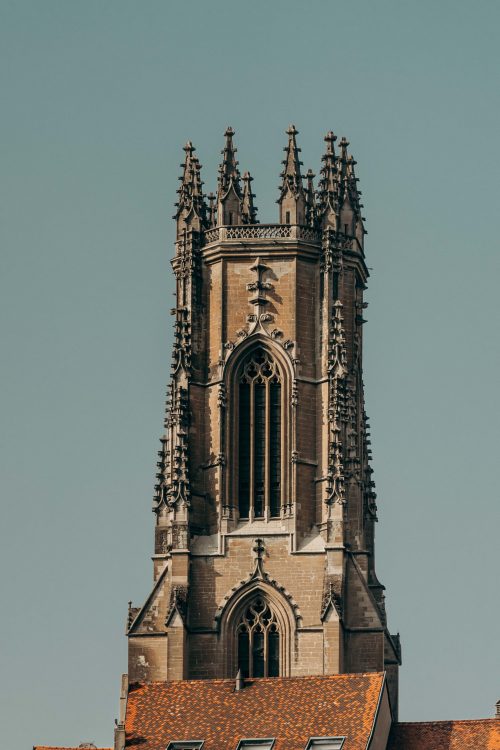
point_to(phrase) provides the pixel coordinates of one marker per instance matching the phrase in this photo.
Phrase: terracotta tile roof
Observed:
(475, 734)
(291, 709)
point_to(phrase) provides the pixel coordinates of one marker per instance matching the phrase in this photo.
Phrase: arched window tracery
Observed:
(258, 640)
(259, 436)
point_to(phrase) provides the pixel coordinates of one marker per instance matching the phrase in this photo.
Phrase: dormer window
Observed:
(256, 744)
(325, 743)
(185, 745)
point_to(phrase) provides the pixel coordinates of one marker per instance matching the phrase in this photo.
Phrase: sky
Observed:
(97, 99)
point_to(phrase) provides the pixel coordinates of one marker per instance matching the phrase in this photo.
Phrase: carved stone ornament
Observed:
(331, 595)
(162, 546)
(221, 396)
(259, 574)
(178, 602)
(337, 371)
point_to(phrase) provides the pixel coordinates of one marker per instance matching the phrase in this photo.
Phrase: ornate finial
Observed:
(248, 211)
(229, 195)
(330, 139)
(259, 550)
(291, 173)
(344, 144)
(292, 198)
(350, 219)
(259, 287)
(328, 185)
(228, 170)
(191, 208)
(212, 211)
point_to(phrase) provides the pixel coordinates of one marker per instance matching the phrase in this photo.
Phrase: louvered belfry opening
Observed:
(259, 436)
(258, 641)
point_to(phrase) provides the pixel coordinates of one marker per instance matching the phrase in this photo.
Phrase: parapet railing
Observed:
(261, 231)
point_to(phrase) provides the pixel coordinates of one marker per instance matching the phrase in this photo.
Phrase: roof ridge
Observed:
(230, 680)
(445, 721)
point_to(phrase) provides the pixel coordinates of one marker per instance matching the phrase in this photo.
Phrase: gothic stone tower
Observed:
(265, 505)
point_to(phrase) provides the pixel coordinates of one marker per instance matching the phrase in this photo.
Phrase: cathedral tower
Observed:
(265, 506)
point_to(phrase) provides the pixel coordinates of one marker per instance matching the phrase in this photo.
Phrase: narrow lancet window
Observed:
(259, 437)
(244, 449)
(275, 448)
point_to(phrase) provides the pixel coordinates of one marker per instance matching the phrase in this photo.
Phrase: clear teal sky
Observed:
(97, 99)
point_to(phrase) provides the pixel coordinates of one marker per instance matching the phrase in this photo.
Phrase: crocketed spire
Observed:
(350, 219)
(191, 208)
(249, 211)
(292, 199)
(229, 193)
(328, 184)
(228, 170)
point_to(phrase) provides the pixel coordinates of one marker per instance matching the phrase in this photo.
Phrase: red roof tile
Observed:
(291, 709)
(476, 734)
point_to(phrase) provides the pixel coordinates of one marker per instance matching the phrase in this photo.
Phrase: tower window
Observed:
(258, 641)
(259, 436)
(287, 217)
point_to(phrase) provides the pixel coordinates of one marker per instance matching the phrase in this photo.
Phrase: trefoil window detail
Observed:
(258, 639)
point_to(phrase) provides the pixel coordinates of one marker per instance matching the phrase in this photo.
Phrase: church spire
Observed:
(229, 194)
(248, 210)
(328, 186)
(292, 199)
(191, 208)
(350, 219)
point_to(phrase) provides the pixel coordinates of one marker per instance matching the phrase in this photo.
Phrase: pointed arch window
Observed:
(259, 437)
(258, 640)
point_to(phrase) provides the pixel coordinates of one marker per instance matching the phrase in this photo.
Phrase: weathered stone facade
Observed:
(260, 500)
